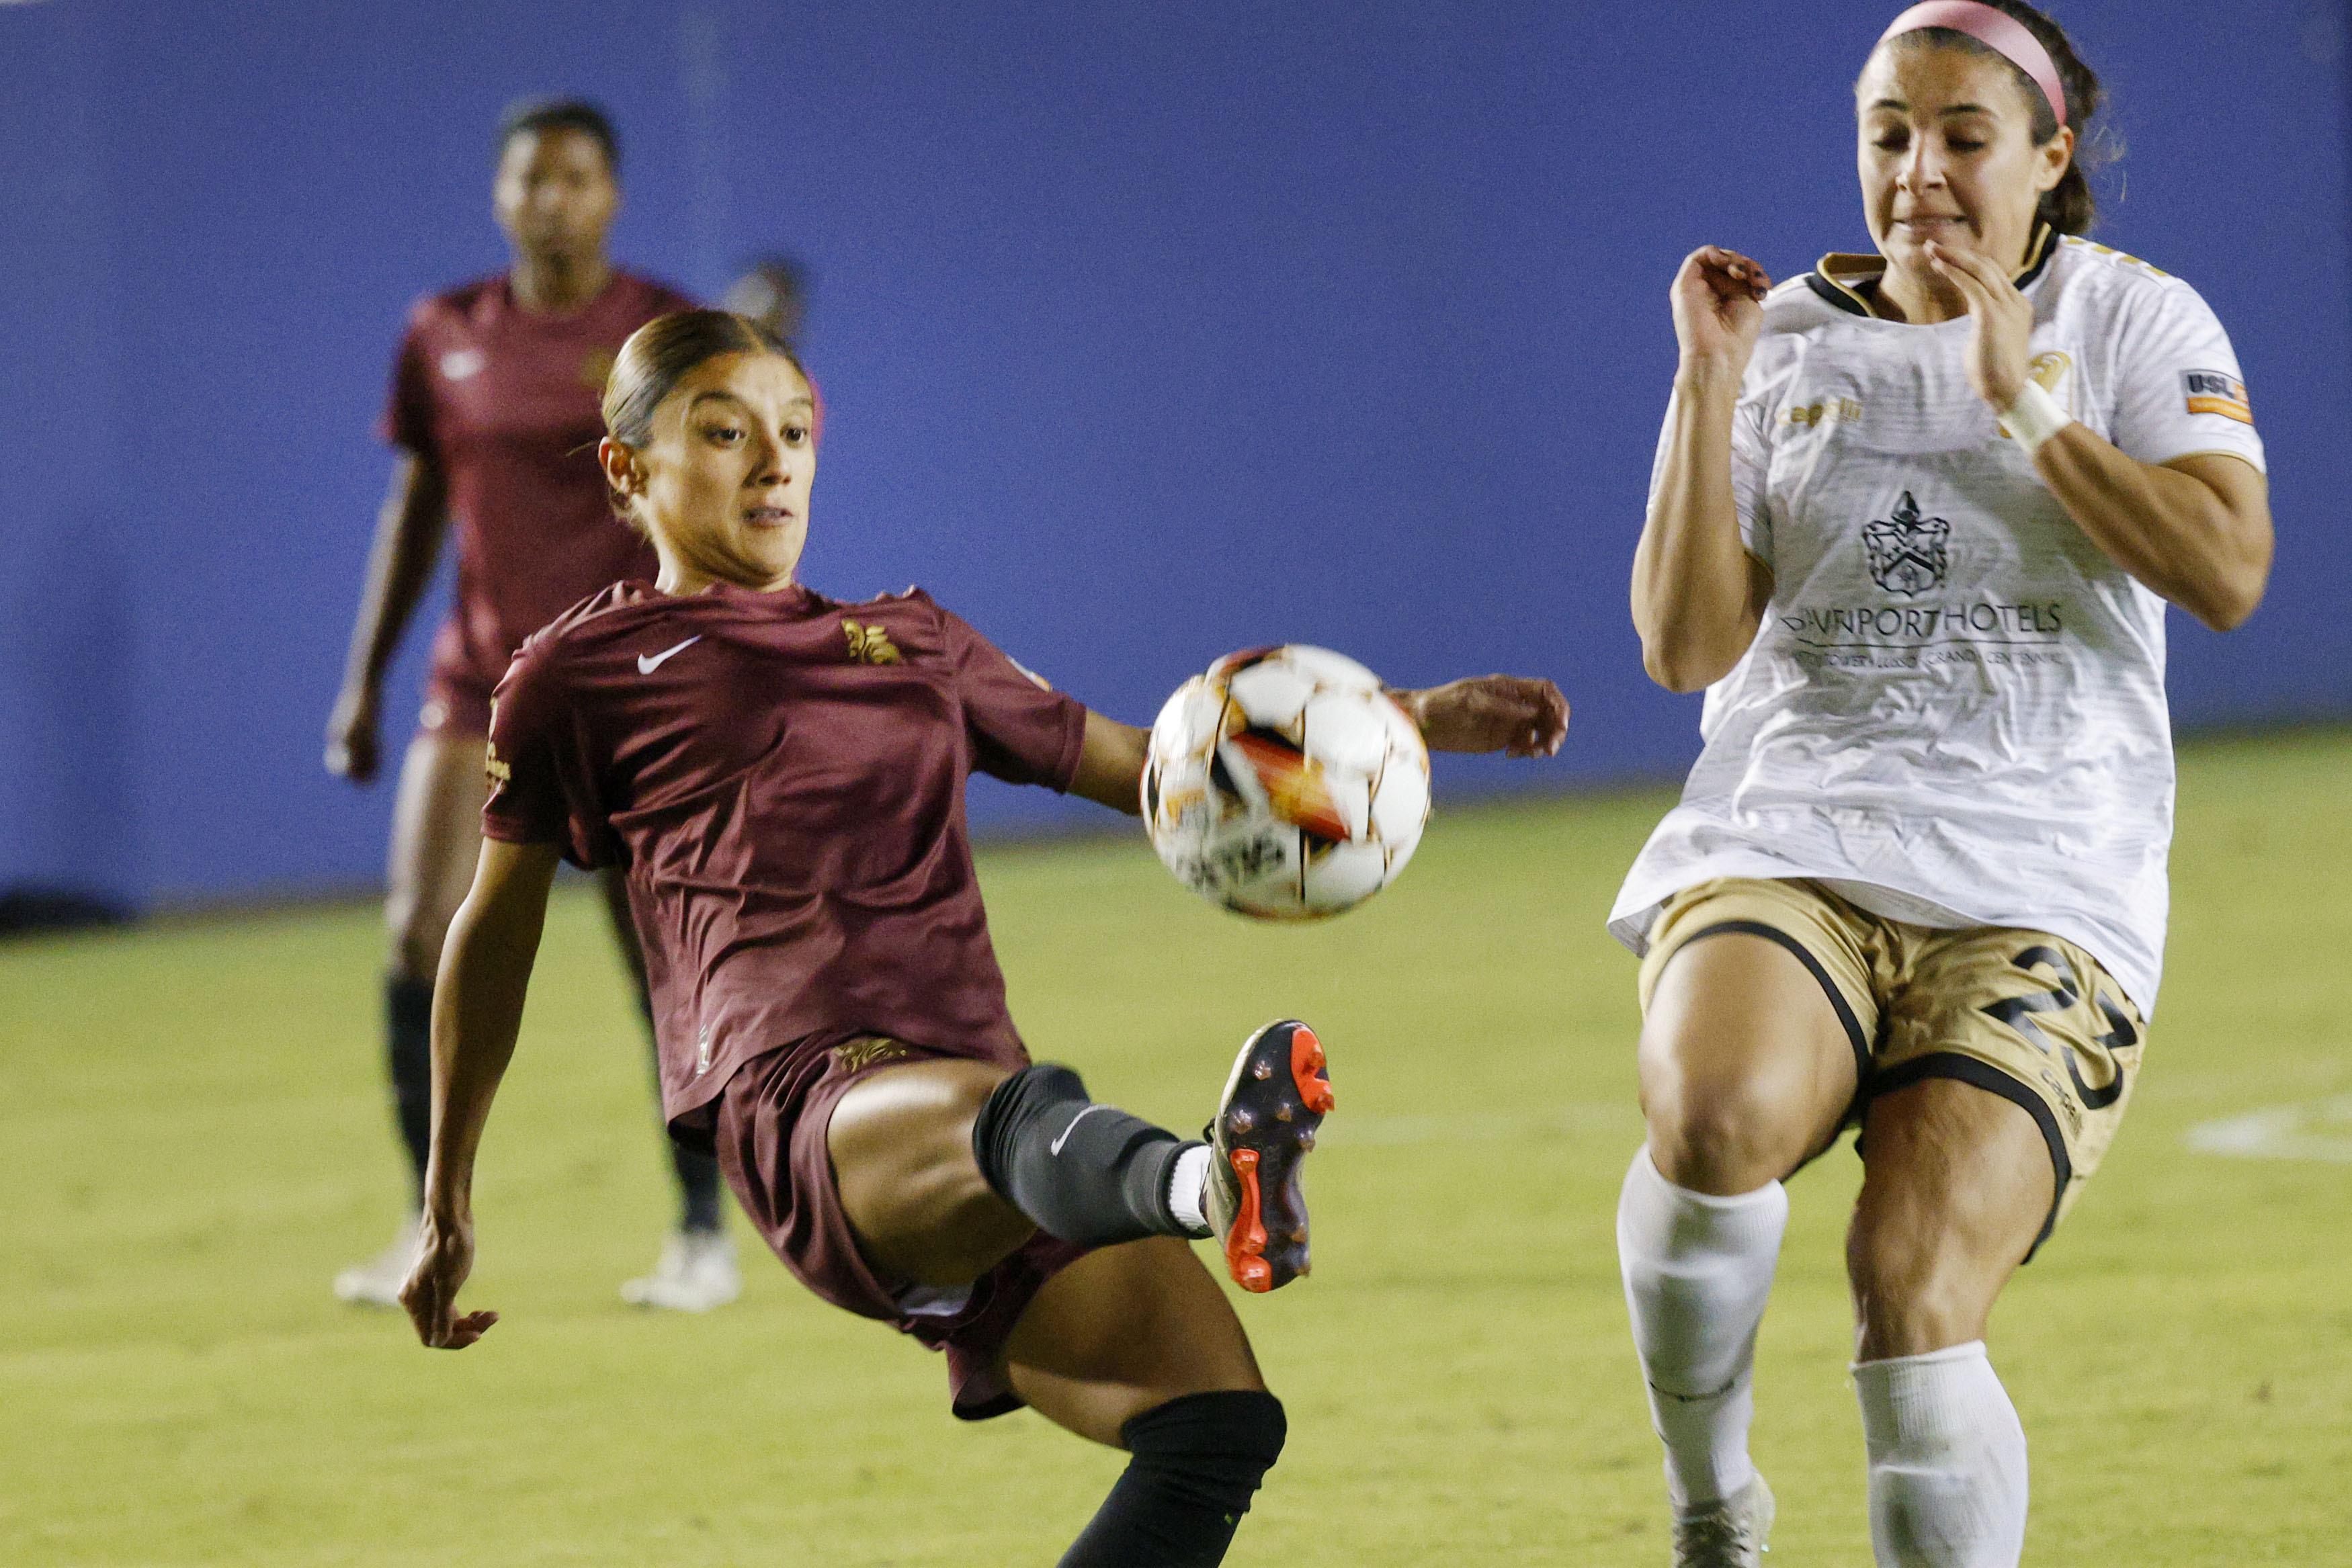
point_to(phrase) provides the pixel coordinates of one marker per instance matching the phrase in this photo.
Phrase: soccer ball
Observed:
(1284, 783)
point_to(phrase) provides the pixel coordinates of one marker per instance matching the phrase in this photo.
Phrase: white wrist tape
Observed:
(2034, 418)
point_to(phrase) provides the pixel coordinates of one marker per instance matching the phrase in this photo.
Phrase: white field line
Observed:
(1553, 1122)
(2317, 1130)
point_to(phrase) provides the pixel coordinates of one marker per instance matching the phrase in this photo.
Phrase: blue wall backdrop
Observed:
(1147, 330)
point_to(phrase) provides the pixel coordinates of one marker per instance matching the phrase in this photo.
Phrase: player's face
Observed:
(554, 192)
(723, 486)
(1948, 155)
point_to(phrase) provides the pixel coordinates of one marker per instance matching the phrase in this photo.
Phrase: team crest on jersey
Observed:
(2213, 391)
(858, 1055)
(1909, 554)
(869, 644)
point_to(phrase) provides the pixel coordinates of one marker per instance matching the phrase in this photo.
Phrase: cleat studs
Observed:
(1306, 1140)
(1282, 1113)
(1309, 1071)
(1261, 1070)
(1242, 1121)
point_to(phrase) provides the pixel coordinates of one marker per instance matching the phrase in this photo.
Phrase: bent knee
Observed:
(1246, 1424)
(1719, 1137)
(1915, 1292)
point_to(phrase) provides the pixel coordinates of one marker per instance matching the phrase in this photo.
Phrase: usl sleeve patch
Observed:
(2213, 391)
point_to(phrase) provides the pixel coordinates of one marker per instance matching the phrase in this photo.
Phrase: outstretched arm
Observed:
(1110, 764)
(1518, 715)
(476, 1009)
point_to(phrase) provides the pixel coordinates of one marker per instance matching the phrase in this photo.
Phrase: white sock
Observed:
(1188, 1186)
(1697, 1271)
(1947, 1461)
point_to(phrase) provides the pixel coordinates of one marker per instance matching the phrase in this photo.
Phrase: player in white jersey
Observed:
(1914, 521)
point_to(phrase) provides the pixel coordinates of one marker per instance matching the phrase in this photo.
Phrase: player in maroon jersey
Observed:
(782, 776)
(493, 412)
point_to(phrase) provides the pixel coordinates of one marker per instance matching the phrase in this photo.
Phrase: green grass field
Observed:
(193, 1139)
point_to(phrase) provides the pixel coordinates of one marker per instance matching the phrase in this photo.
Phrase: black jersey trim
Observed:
(1845, 299)
(2037, 256)
(1853, 302)
(1984, 1075)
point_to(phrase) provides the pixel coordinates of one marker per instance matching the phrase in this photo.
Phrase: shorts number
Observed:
(2017, 1012)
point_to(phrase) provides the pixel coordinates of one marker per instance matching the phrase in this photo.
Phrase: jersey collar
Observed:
(1850, 282)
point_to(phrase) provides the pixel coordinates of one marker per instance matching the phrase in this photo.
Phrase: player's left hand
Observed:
(2002, 320)
(444, 1256)
(1517, 714)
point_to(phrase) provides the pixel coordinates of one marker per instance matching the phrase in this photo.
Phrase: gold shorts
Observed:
(2028, 1016)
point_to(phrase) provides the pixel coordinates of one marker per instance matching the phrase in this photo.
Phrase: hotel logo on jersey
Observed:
(1908, 554)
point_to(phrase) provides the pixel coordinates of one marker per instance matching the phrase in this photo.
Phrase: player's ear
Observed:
(623, 474)
(2055, 156)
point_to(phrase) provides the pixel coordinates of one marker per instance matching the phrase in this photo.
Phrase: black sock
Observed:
(1197, 1460)
(1085, 1172)
(408, 1054)
(697, 1169)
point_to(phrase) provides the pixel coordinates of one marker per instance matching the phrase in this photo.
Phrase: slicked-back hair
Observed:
(2069, 207)
(664, 352)
(561, 114)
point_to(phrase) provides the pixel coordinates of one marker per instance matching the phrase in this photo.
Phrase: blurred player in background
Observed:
(1914, 525)
(832, 1015)
(493, 412)
(774, 292)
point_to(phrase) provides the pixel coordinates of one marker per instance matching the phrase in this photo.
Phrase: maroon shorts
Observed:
(771, 1133)
(456, 692)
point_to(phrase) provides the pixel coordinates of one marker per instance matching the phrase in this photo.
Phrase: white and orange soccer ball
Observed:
(1284, 783)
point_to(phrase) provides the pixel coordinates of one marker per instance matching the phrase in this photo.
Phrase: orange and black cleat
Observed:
(1276, 1098)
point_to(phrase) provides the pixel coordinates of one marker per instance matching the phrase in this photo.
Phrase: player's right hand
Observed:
(1718, 302)
(351, 749)
(444, 1256)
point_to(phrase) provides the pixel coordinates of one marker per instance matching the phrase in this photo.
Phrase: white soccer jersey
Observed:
(1954, 712)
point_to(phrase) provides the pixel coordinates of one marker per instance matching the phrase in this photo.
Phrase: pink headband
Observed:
(1996, 30)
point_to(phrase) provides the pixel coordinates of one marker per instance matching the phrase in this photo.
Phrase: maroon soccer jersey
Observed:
(782, 776)
(506, 401)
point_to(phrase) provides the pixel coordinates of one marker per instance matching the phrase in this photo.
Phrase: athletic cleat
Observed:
(377, 1281)
(1733, 1533)
(1277, 1096)
(696, 1272)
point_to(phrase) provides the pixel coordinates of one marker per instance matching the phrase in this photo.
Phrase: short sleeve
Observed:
(2176, 388)
(407, 418)
(533, 772)
(1020, 729)
(1752, 461)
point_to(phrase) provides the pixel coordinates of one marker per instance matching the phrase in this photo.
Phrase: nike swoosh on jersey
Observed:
(1056, 1146)
(648, 663)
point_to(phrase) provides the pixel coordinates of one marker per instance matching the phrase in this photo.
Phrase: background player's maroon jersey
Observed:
(782, 776)
(506, 401)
